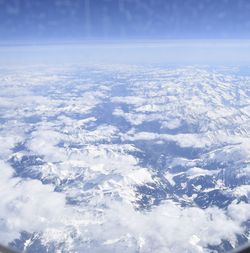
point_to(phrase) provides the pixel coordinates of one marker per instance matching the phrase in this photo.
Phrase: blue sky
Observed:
(67, 20)
(182, 31)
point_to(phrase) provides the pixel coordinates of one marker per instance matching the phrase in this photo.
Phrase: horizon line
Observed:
(93, 42)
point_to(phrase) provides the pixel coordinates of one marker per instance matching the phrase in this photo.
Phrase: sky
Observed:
(74, 20)
(169, 52)
(176, 31)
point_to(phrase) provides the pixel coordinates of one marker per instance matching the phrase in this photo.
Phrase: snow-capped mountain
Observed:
(109, 158)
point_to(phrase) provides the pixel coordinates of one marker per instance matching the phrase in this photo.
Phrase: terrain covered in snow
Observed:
(124, 158)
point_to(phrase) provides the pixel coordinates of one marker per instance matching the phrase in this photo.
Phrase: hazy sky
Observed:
(62, 20)
(174, 52)
(221, 27)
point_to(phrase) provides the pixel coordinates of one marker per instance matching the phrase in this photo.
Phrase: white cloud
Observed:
(44, 142)
(166, 228)
(196, 172)
(27, 205)
(171, 123)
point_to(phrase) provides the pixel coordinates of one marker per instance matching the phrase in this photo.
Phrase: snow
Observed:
(105, 177)
(198, 172)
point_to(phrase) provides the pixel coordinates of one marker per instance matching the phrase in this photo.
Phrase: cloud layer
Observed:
(124, 159)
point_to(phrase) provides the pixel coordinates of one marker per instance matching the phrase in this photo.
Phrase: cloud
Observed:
(45, 142)
(27, 205)
(166, 228)
(34, 207)
(197, 172)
